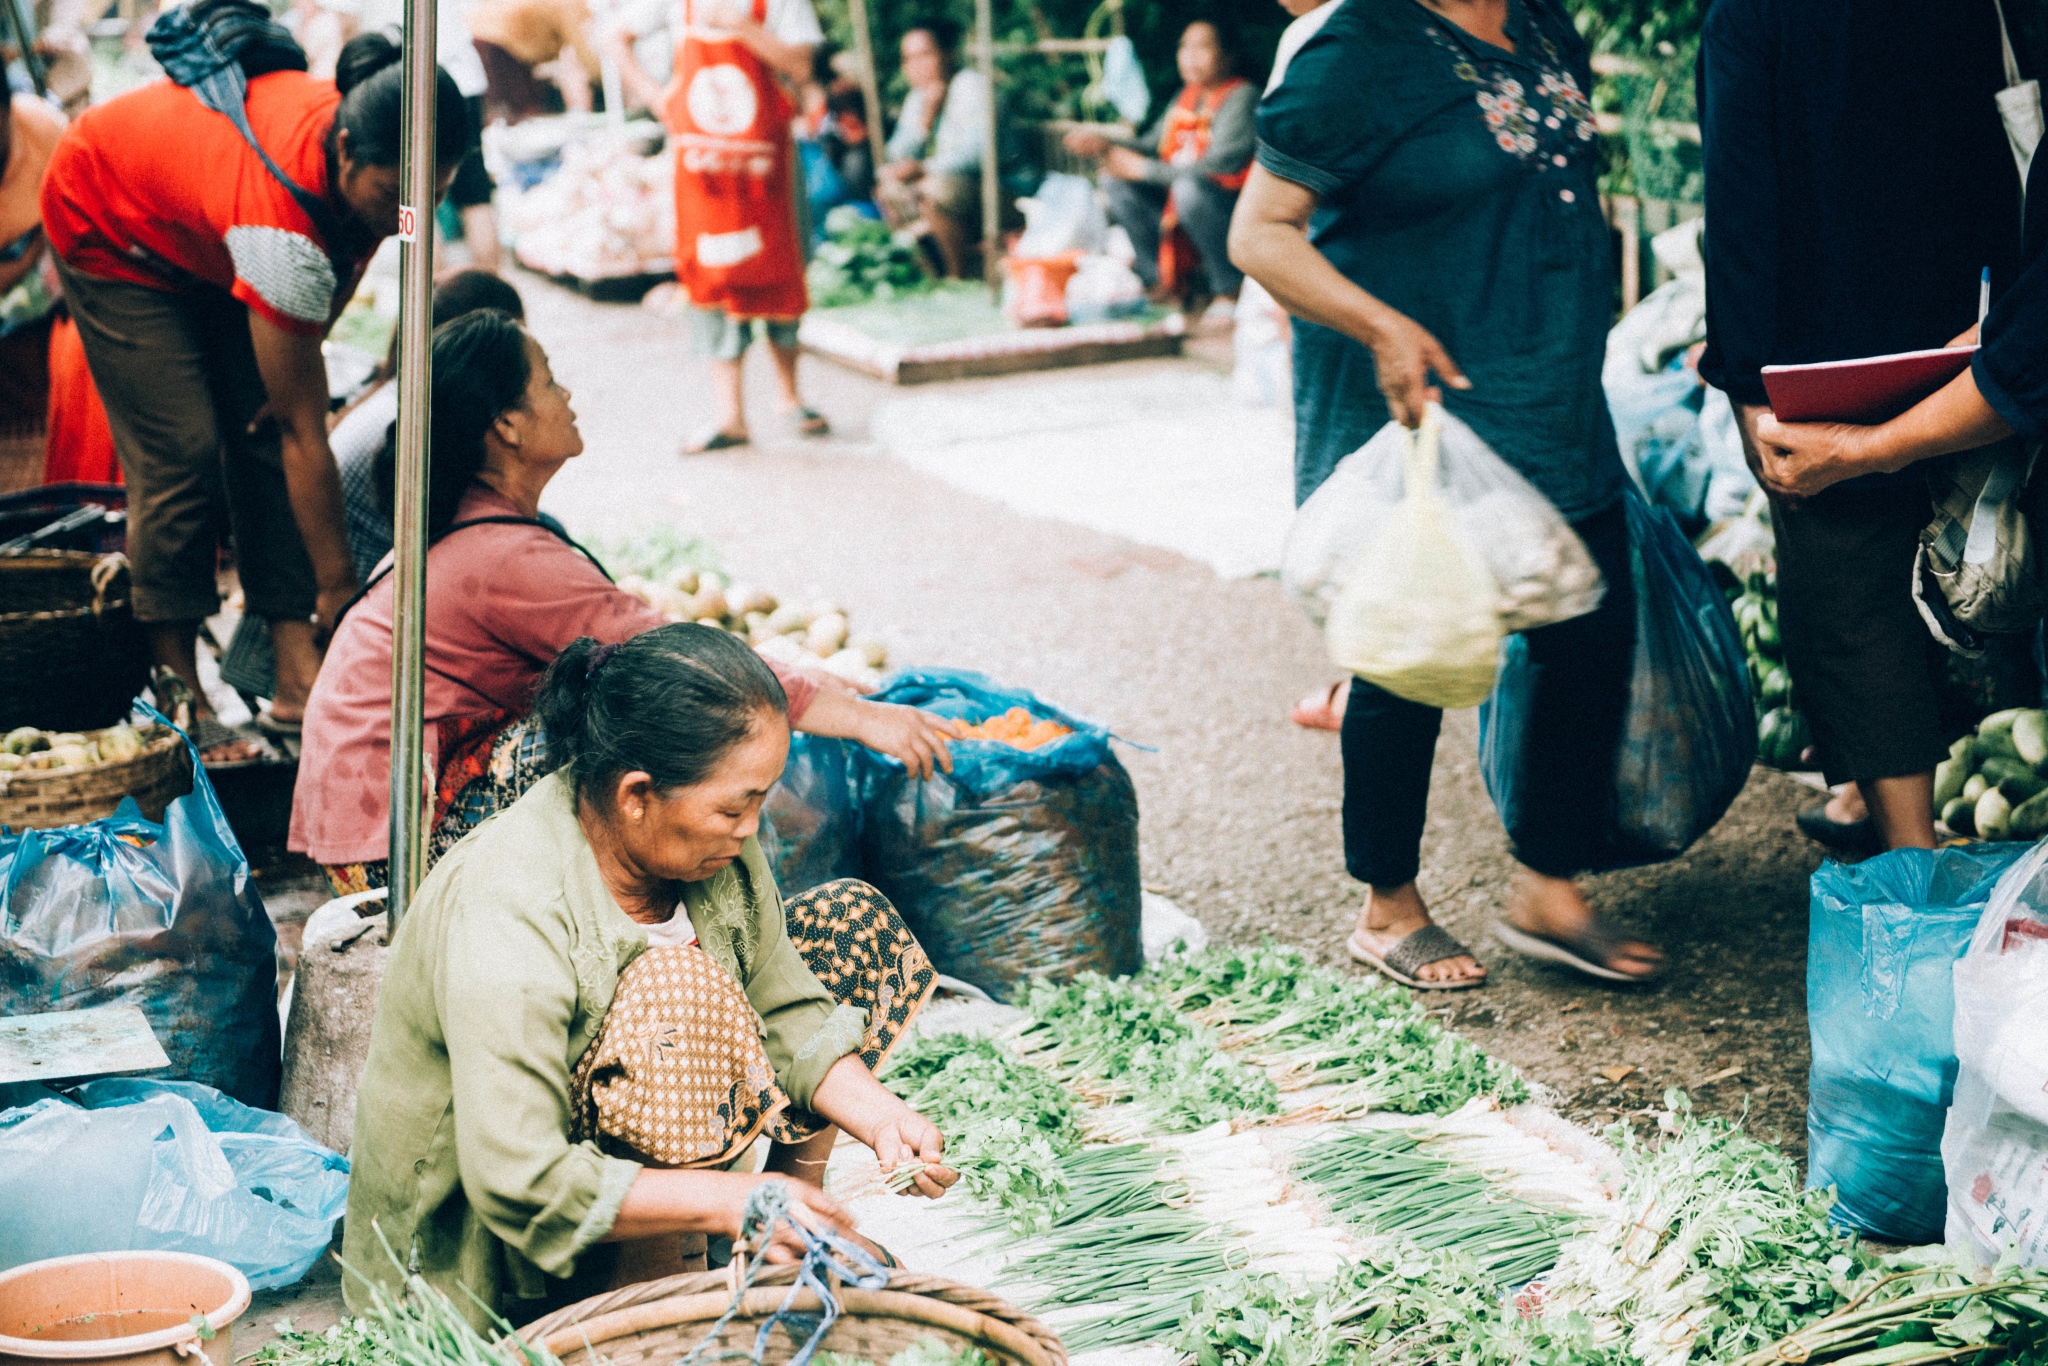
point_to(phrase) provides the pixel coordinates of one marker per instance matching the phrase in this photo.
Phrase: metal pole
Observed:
(19, 20)
(870, 82)
(991, 225)
(409, 809)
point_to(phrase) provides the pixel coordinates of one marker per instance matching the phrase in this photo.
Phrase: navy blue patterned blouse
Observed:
(1459, 184)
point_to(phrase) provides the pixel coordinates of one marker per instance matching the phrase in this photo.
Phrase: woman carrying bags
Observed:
(739, 251)
(203, 281)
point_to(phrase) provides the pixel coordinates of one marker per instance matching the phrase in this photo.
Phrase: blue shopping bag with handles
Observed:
(174, 927)
(1017, 864)
(1689, 738)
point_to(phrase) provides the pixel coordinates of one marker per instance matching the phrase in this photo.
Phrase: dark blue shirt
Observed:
(1459, 185)
(2011, 365)
(1858, 179)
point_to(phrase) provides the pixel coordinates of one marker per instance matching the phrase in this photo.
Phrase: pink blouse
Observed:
(502, 602)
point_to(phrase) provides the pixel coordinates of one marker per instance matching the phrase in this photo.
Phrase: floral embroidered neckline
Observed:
(1546, 139)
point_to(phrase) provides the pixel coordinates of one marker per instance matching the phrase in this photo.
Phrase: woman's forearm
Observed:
(851, 1098)
(1269, 242)
(663, 1202)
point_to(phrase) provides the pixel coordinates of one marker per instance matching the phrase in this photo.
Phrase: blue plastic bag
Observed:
(166, 1167)
(1880, 1001)
(1019, 863)
(1689, 739)
(175, 928)
(810, 824)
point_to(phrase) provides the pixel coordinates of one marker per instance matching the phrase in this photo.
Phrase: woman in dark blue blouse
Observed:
(1425, 202)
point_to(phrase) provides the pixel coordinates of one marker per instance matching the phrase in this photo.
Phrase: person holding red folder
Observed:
(1860, 181)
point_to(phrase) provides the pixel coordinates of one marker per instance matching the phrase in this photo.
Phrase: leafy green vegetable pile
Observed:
(923, 1352)
(861, 259)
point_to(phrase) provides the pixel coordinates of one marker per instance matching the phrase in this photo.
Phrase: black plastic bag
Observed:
(174, 928)
(810, 824)
(1018, 864)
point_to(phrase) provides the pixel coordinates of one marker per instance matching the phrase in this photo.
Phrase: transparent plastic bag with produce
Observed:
(810, 824)
(166, 918)
(1421, 550)
(139, 1165)
(1994, 1146)
(1883, 941)
(1023, 861)
(1690, 735)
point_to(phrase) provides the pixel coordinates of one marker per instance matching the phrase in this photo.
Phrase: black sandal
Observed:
(1845, 837)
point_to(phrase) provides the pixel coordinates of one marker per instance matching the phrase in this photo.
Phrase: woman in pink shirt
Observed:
(505, 594)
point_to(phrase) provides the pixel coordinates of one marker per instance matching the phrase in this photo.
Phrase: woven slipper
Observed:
(1589, 951)
(1318, 711)
(811, 422)
(209, 733)
(1430, 944)
(716, 441)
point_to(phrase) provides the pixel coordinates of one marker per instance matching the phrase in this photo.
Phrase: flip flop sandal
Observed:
(1589, 951)
(811, 422)
(1430, 944)
(1319, 712)
(716, 441)
(271, 725)
(209, 733)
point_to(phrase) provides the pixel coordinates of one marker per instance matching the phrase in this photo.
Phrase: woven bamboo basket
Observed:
(32, 799)
(660, 1321)
(71, 654)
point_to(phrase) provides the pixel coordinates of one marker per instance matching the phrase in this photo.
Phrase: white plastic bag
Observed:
(1064, 215)
(1994, 1146)
(1430, 541)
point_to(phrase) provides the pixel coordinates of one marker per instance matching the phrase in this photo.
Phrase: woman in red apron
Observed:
(1174, 186)
(739, 246)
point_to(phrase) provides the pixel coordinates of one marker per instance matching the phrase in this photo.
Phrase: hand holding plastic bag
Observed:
(1421, 550)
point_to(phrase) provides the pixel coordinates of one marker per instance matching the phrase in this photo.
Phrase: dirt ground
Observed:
(1239, 806)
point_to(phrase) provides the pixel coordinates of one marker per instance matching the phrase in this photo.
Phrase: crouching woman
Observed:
(598, 1001)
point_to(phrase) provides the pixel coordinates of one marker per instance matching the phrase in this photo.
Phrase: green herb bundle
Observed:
(1007, 1124)
(1306, 1025)
(1923, 1306)
(351, 1342)
(861, 258)
(1125, 1041)
(1391, 1183)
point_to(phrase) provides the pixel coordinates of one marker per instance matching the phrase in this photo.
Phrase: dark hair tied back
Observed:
(671, 702)
(481, 371)
(370, 74)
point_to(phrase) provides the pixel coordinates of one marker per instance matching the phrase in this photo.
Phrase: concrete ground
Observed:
(1240, 807)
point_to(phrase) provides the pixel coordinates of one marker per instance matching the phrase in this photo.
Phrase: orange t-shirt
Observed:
(154, 185)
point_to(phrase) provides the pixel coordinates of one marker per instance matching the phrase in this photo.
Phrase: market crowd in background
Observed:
(1418, 196)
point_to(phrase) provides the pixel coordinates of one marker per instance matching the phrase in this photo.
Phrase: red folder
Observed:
(1874, 389)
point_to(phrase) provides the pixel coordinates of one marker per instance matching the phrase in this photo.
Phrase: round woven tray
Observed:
(32, 799)
(71, 654)
(661, 1320)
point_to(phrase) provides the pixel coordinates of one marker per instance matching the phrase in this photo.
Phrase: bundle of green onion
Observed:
(1389, 1182)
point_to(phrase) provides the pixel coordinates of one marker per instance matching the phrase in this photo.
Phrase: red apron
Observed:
(1183, 141)
(729, 121)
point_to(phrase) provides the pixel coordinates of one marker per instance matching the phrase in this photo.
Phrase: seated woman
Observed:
(933, 173)
(1184, 195)
(505, 594)
(598, 1001)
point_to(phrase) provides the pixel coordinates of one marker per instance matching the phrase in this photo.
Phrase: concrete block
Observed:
(330, 1005)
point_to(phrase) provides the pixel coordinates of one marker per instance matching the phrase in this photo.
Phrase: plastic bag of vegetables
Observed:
(1883, 940)
(1420, 550)
(166, 918)
(810, 824)
(1020, 863)
(1994, 1143)
(1690, 735)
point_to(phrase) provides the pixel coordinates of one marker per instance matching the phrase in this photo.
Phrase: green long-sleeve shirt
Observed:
(502, 971)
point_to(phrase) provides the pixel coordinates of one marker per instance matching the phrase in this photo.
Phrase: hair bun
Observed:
(362, 57)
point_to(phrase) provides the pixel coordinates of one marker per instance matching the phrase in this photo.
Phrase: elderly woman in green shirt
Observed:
(598, 1001)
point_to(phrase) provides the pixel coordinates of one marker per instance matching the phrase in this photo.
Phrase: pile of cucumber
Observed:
(1994, 784)
(1782, 732)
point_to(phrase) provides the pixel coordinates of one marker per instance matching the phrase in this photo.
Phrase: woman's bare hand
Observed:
(808, 1206)
(907, 1137)
(1406, 355)
(1124, 164)
(1083, 143)
(916, 739)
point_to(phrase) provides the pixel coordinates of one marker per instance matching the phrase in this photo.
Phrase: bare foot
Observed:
(1553, 908)
(1390, 915)
(1847, 807)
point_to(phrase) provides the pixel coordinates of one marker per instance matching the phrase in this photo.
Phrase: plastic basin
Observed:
(136, 1308)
